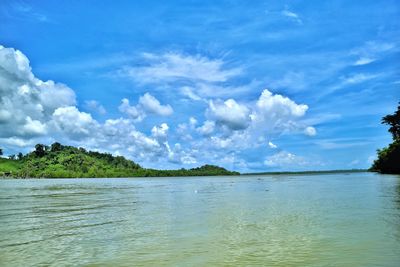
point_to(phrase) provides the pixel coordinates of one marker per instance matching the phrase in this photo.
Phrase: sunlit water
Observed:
(293, 220)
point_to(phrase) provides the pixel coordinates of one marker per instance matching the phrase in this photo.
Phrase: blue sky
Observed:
(248, 85)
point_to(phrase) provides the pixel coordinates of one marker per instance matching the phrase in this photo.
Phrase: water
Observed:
(294, 220)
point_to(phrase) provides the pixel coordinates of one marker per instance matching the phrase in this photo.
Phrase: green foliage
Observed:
(39, 150)
(388, 160)
(56, 147)
(9, 166)
(393, 120)
(58, 161)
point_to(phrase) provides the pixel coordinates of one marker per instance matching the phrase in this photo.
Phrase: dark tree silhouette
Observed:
(56, 147)
(393, 120)
(1, 152)
(388, 160)
(20, 156)
(39, 150)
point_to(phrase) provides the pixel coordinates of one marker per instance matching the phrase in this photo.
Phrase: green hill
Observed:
(9, 166)
(58, 161)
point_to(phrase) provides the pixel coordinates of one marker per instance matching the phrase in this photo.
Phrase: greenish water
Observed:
(286, 220)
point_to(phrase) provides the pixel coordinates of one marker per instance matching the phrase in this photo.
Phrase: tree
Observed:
(394, 121)
(388, 160)
(20, 156)
(56, 147)
(39, 150)
(12, 157)
(1, 152)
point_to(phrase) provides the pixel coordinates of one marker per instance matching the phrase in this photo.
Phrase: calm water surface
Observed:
(293, 220)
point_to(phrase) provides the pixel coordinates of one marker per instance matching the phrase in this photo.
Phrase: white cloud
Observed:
(174, 66)
(54, 95)
(250, 125)
(207, 128)
(290, 14)
(271, 105)
(364, 61)
(132, 111)
(310, 131)
(358, 78)
(33, 127)
(26, 102)
(74, 123)
(188, 92)
(372, 51)
(160, 132)
(272, 145)
(16, 142)
(229, 113)
(285, 159)
(196, 77)
(150, 104)
(192, 121)
(95, 106)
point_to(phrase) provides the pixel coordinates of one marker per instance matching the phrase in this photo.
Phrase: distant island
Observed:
(388, 160)
(305, 172)
(59, 161)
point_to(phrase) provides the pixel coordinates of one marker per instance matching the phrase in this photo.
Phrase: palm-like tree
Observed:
(394, 121)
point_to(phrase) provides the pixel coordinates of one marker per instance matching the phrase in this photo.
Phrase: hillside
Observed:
(58, 161)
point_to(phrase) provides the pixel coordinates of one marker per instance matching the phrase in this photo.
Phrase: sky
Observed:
(247, 85)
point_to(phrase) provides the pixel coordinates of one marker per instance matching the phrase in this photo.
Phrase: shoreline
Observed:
(238, 175)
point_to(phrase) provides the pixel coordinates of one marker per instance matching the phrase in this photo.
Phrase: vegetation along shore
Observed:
(59, 161)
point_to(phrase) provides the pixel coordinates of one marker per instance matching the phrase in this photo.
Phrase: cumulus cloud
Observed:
(275, 106)
(132, 111)
(230, 114)
(73, 123)
(148, 104)
(239, 126)
(160, 132)
(26, 102)
(33, 127)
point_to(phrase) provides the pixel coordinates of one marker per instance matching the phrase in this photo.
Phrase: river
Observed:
(341, 219)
